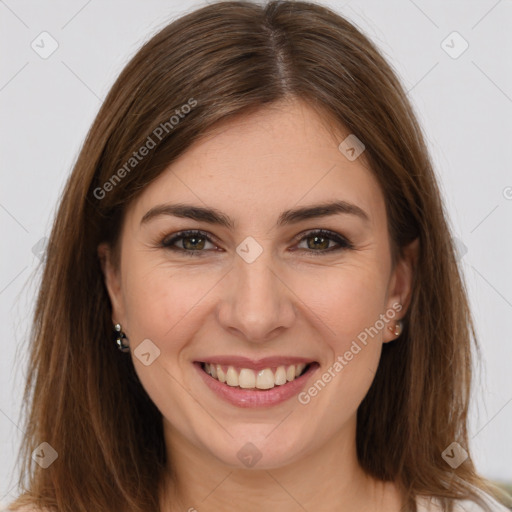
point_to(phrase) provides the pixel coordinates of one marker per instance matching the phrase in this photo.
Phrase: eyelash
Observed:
(343, 243)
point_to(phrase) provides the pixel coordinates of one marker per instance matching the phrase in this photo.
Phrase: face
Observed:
(288, 302)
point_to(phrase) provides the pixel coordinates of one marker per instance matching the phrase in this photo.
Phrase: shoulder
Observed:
(431, 504)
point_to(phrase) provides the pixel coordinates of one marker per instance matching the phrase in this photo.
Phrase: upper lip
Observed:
(252, 364)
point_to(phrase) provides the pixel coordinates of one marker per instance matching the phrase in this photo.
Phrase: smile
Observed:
(245, 378)
(265, 383)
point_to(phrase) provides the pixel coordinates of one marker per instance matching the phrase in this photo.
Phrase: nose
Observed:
(257, 304)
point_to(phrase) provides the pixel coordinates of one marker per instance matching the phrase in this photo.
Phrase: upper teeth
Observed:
(250, 379)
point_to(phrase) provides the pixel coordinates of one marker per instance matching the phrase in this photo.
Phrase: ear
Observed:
(400, 287)
(112, 278)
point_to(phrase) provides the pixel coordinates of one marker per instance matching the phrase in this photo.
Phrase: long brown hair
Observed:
(224, 60)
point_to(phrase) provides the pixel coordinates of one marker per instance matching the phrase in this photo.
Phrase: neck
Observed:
(328, 478)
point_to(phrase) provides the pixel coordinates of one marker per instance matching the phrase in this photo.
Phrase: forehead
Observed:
(281, 156)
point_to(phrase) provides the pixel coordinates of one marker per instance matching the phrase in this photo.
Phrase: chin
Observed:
(259, 448)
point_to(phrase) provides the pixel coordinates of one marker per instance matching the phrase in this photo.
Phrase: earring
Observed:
(398, 328)
(121, 345)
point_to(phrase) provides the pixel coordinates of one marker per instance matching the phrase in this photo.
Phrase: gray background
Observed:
(464, 103)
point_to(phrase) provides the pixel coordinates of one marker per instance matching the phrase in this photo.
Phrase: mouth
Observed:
(247, 378)
(262, 385)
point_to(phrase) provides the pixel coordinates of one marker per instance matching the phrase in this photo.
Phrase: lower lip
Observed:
(256, 397)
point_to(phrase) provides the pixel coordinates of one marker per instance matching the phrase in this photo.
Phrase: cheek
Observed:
(161, 306)
(349, 302)
(159, 297)
(348, 299)
(147, 304)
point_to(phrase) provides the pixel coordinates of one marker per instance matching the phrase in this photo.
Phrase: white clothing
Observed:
(432, 505)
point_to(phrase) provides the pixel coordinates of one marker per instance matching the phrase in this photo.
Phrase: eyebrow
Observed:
(213, 216)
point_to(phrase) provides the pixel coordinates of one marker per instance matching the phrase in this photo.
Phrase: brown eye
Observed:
(193, 242)
(318, 242)
(188, 242)
(321, 241)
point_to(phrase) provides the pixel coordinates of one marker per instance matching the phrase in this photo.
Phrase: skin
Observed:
(299, 303)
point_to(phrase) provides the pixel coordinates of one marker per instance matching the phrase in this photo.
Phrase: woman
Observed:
(255, 224)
